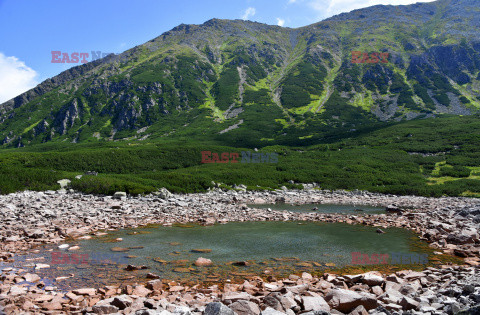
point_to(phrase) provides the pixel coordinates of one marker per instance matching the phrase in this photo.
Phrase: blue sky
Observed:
(31, 29)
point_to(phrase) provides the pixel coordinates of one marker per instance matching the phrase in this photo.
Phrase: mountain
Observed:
(247, 84)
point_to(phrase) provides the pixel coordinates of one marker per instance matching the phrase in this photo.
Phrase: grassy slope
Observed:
(388, 160)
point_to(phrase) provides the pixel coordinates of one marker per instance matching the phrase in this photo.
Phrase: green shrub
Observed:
(455, 171)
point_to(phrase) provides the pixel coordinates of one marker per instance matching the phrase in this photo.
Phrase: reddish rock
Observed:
(85, 291)
(141, 291)
(155, 285)
(346, 301)
(52, 306)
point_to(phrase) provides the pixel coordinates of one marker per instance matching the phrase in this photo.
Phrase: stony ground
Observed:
(450, 225)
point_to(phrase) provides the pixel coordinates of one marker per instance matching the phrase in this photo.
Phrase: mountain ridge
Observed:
(249, 83)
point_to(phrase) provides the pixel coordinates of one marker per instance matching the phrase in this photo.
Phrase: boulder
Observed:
(64, 183)
(164, 193)
(17, 290)
(273, 300)
(203, 262)
(243, 307)
(217, 308)
(307, 276)
(271, 311)
(155, 285)
(459, 239)
(359, 310)
(104, 307)
(31, 277)
(298, 288)
(122, 301)
(393, 209)
(315, 303)
(141, 291)
(408, 304)
(120, 195)
(152, 276)
(85, 291)
(230, 297)
(372, 278)
(346, 301)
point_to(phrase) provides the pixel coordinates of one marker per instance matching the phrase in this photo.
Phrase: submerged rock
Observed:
(206, 250)
(203, 262)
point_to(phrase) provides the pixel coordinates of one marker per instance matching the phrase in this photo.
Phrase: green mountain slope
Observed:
(248, 84)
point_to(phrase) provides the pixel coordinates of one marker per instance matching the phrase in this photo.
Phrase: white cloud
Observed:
(332, 7)
(15, 77)
(280, 22)
(249, 13)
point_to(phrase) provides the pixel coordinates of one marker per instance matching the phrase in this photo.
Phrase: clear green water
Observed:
(322, 208)
(265, 245)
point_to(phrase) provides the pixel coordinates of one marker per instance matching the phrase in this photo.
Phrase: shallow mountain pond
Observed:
(237, 250)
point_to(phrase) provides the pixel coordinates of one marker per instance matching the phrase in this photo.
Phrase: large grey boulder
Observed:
(104, 309)
(243, 307)
(163, 193)
(408, 303)
(217, 308)
(273, 300)
(315, 303)
(120, 195)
